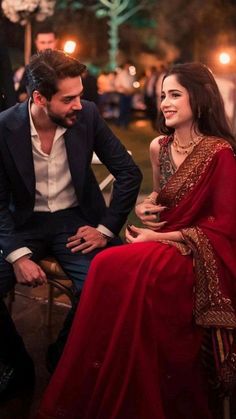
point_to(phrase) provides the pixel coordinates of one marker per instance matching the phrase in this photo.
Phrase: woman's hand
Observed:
(149, 213)
(135, 234)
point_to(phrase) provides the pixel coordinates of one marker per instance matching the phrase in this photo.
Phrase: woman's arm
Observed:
(135, 234)
(147, 210)
(155, 162)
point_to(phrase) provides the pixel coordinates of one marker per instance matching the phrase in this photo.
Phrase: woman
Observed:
(149, 308)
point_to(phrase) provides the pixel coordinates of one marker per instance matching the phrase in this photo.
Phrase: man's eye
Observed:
(66, 101)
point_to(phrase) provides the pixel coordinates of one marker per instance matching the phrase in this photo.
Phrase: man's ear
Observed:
(39, 99)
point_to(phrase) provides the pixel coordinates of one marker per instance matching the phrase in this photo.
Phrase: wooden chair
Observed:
(56, 279)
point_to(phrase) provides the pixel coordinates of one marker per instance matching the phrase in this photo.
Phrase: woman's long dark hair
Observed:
(205, 100)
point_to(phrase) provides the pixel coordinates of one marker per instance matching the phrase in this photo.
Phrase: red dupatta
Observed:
(201, 201)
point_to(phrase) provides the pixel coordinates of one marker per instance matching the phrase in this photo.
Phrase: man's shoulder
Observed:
(11, 112)
(88, 106)
(89, 110)
(11, 115)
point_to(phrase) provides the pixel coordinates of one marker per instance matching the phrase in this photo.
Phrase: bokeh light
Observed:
(69, 47)
(136, 84)
(224, 58)
(132, 70)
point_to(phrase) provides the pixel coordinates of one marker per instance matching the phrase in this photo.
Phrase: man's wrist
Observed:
(20, 259)
(105, 232)
(104, 236)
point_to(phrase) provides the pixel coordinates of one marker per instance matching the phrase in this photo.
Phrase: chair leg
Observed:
(50, 304)
(226, 408)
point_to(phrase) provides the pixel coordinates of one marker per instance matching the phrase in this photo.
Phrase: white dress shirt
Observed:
(54, 190)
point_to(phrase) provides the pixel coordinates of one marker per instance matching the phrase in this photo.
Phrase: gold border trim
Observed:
(191, 170)
(211, 307)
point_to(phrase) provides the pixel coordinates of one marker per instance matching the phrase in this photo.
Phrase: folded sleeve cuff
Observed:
(17, 254)
(105, 231)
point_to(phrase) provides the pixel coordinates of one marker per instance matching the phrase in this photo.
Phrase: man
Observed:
(124, 86)
(45, 38)
(50, 201)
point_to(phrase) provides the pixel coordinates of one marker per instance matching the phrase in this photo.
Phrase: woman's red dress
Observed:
(135, 348)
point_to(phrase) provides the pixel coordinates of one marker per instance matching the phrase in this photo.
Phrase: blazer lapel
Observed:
(19, 143)
(75, 141)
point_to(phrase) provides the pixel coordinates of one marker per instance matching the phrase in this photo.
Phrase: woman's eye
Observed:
(162, 97)
(175, 94)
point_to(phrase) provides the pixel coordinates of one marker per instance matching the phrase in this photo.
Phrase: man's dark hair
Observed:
(49, 66)
(44, 28)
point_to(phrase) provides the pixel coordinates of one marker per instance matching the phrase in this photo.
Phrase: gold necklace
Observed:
(186, 149)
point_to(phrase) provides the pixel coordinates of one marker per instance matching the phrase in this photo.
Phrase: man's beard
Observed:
(62, 121)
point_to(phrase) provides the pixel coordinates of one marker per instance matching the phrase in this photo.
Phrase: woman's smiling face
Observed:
(175, 104)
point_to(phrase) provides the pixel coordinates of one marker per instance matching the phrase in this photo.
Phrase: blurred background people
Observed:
(7, 92)
(124, 86)
(90, 89)
(107, 97)
(150, 98)
(45, 37)
(163, 71)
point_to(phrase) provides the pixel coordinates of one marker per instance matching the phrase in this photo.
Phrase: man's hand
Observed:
(28, 272)
(86, 239)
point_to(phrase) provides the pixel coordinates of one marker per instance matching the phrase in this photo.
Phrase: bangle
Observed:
(148, 199)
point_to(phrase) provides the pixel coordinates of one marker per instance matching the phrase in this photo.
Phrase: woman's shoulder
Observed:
(216, 148)
(217, 142)
(159, 141)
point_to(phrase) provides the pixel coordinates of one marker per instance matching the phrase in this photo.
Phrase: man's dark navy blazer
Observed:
(89, 134)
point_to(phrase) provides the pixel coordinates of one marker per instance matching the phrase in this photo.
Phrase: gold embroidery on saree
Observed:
(182, 247)
(191, 170)
(211, 307)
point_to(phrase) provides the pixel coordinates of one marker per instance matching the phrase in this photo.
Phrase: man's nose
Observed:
(77, 106)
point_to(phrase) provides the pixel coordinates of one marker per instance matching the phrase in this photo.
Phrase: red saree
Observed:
(134, 351)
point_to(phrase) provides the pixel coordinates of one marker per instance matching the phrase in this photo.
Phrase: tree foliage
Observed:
(175, 30)
(116, 13)
(196, 26)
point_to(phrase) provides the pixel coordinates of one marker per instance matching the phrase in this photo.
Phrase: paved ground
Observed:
(30, 315)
